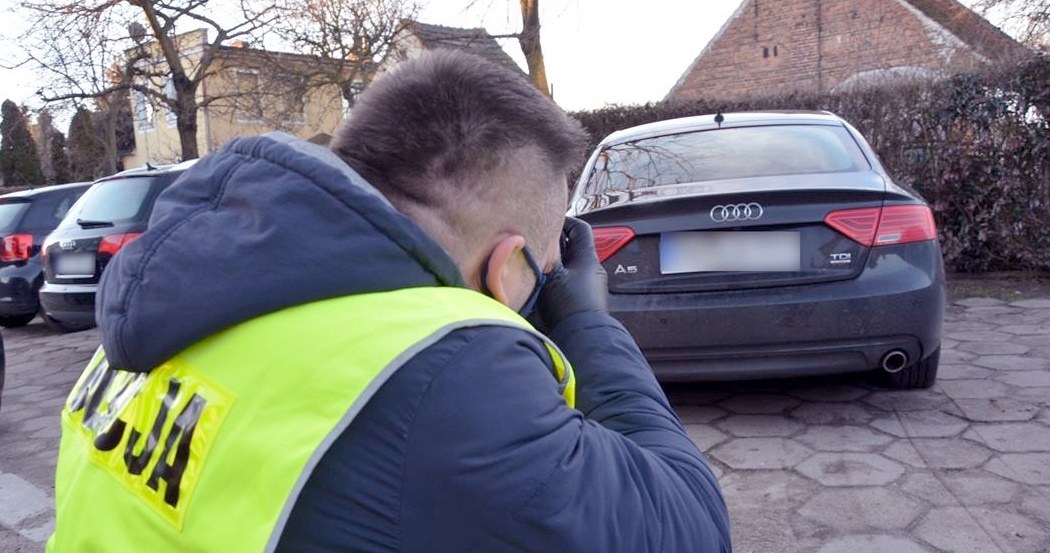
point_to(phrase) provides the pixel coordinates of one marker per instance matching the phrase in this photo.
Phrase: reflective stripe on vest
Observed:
(209, 450)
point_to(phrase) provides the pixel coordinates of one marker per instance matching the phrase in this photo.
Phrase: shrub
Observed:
(977, 147)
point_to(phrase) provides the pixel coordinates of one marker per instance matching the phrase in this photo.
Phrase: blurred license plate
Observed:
(75, 264)
(693, 252)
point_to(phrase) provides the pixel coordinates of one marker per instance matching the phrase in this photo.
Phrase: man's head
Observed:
(476, 156)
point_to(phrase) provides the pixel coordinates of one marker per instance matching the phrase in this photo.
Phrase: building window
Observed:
(293, 109)
(765, 52)
(169, 111)
(143, 109)
(292, 101)
(248, 104)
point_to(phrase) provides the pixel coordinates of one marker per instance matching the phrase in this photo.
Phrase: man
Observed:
(321, 352)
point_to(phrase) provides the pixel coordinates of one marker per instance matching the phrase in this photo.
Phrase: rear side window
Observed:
(63, 205)
(117, 201)
(10, 215)
(48, 210)
(729, 153)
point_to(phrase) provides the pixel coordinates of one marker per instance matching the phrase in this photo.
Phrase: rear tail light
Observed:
(895, 224)
(114, 242)
(609, 240)
(901, 224)
(858, 224)
(17, 247)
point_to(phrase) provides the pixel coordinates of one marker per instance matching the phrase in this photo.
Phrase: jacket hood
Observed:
(268, 222)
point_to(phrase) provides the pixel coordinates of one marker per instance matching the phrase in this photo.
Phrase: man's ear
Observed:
(500, 271)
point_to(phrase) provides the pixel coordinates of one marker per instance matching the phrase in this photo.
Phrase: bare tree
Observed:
(346, 39)
(113, 120)
(529, 39)
(75, 43)
(71, 56)
(1030, 19)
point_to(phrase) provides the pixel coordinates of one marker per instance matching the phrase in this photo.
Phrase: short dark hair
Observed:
(449, 117)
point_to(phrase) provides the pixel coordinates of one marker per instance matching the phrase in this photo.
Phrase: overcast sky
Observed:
(598, 52)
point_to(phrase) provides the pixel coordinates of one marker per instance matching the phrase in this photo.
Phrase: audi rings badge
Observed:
(736, 212)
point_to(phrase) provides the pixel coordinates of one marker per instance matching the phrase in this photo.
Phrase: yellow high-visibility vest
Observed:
(209, 451)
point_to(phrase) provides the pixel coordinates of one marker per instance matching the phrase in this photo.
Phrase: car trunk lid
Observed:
(106, 218)
(733, 234)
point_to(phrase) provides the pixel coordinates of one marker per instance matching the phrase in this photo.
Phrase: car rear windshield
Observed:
(11, 214)
(728, 153)
(116, 201)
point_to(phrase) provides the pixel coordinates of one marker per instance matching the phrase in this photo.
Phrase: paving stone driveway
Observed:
(843, 466)
(833, 465)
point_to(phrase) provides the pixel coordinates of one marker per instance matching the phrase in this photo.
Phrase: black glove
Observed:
(578, 284)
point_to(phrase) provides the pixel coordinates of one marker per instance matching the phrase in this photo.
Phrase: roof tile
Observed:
(475, 41)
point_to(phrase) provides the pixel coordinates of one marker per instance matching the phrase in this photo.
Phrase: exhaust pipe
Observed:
(894, 361)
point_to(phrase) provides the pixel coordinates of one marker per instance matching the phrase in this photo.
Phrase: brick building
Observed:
(771, 47)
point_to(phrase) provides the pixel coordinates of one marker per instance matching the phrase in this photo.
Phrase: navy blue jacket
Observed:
(468, 447)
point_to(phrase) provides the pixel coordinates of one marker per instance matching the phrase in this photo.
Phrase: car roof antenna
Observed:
(719, 118)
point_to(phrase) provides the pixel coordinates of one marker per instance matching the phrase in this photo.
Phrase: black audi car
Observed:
(758, 245)
(26, 218)
(112, 213)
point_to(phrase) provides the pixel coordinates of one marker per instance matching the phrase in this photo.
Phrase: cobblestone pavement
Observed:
(830, 465)
(41, 368)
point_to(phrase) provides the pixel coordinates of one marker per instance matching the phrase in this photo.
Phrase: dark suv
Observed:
(112, 213)
(26, 218)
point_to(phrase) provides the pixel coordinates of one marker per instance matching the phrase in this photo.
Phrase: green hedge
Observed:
(977, 147)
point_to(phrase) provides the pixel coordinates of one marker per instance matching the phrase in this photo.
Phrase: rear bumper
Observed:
(18, 289)
(69, 303)
(897, 302)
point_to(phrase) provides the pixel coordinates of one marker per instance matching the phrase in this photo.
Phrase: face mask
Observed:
(541, 279)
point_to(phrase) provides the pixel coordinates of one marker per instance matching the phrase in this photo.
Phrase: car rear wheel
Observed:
(60, 326)
(921, 374)
(14, 321)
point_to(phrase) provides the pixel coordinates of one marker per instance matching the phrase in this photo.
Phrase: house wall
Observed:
(241, 109)
(158, 141)
(156, 138)
(235, 110)
(404, 46)
(781, 46)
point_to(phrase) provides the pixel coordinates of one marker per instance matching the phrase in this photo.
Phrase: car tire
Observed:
(59, 326)
(15, 321)
(918, 375)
